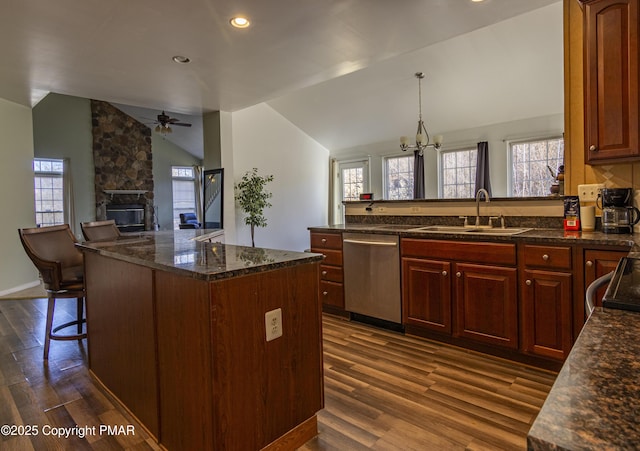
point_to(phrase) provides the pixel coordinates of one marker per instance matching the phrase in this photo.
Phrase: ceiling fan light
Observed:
(158, 129)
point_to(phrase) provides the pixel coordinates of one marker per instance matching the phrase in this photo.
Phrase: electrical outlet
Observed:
(380, 209)
(273, 324)
(589, 193)
(415, 209)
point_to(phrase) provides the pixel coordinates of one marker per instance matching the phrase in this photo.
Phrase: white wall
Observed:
(16, 195)
(495, 135)
(62, 129)
(264, 139)
(165, 155)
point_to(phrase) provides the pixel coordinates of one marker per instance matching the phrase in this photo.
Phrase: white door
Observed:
(353, 177)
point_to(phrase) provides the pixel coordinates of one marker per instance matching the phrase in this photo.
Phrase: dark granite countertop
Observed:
(595, 401)
(183, 252)
(540, 235)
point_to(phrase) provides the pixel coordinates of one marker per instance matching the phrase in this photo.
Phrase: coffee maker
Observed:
(618, 213)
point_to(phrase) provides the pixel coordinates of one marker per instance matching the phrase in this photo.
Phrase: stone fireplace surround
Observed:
(123, 161)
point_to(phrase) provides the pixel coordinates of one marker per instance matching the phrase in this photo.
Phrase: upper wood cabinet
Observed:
(611, 80)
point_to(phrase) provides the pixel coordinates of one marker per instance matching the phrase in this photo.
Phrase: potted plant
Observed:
(252, 197)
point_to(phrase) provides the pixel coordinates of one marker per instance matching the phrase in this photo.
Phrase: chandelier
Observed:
(422, 137)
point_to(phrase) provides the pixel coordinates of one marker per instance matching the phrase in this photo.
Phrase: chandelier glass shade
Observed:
(423, 140)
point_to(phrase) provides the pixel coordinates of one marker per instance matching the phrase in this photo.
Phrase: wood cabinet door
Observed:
(426, 294)
(486, 304)
(597, 264)
(546, 313)
(611, 80)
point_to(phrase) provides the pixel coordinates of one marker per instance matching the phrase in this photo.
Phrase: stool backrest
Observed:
(51, 249)
(100, 230)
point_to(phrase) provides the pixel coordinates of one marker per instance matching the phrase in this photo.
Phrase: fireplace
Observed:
(128, 217)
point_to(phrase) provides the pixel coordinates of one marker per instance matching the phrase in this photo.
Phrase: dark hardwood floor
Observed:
(383, 391)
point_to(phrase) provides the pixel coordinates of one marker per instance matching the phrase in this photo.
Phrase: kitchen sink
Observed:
(497, 231)
(393, 227)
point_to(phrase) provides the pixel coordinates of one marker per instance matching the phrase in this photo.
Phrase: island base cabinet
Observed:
(238, 391)
(546, 314)
(120, 326)
(486, 304)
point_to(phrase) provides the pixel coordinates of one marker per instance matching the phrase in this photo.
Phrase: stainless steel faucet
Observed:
(486, 199)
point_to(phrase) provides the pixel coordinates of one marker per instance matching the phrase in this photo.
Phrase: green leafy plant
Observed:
(252, 197)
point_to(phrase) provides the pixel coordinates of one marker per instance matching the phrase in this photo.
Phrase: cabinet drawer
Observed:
(332, 293)
(331, 257)
(332, 273)
(494, 253)
(326, 240)
(547, 257)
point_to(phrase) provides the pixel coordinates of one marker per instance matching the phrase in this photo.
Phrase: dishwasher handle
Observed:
(370, 243)
(590, 298)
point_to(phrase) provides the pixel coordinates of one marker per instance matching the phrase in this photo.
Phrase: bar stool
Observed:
(53, 251)
(100, 230)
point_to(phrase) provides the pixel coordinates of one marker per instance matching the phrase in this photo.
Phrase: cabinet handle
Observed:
(324, 240)
(593, 148)
(545, 257)
(589, 263)
(324, 293)
(458, 274)
(444, 273)
(528, 282)
(324, 273)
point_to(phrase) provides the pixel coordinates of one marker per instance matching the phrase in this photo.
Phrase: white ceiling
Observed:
(342, 70)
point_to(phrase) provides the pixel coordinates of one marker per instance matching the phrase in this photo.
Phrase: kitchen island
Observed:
(594, 401)
(177, 333)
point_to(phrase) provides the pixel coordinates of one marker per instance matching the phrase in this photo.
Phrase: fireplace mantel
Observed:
(114, 192)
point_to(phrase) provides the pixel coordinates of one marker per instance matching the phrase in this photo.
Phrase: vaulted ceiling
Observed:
(341, 70)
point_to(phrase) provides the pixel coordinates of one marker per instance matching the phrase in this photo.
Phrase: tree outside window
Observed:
(532, 165)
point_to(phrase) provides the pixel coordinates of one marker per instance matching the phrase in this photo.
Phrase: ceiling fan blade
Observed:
(181, 124)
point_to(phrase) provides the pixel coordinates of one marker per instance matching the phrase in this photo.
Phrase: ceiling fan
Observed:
(164, 123)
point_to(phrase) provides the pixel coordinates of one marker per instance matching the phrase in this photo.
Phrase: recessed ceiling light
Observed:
(477, 1)
(181, 59)
(240, 22)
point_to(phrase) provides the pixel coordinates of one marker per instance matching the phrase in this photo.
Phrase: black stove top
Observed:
(624, 289)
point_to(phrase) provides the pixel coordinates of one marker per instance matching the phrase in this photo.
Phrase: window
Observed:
(355, 180)
(398, 177)
(458, 173)
(49, 192)
(184, 192)
(532, 165)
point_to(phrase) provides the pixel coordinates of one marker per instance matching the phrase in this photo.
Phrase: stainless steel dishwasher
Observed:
(372, 275)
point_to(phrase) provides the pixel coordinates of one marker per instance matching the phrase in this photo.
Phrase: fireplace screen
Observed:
(129, 218)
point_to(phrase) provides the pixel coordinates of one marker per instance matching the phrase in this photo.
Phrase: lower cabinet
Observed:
(597, 263)
(468, 296)
(546, 300)
(546, 306)
(486, 304)
(331, 288)
(426, 294)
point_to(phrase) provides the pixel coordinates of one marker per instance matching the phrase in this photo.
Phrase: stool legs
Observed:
(51, 305)
(50, 331)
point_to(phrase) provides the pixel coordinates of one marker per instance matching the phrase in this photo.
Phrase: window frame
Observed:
(182, 178)
(385, 187)
(40, 174)
(510, 142)
(441, 152)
